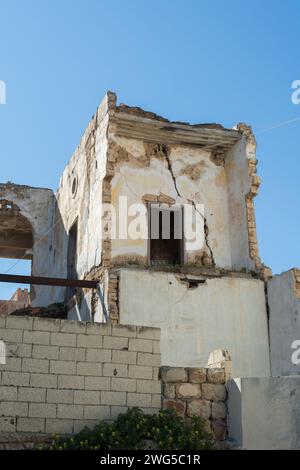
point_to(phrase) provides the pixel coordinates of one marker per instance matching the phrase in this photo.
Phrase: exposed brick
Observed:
(86, 397)
(113, 398)
(13, 408)
(141, 345)
(36, 337)
(42, 410)
(32, 394)
(71, 354)
(139, 399)
(69, 411)
(98, 355)
(89, 341)
(63, 339)
(110, 342)
(123, 385)
(139, 372)
(60, 396)
(71, 381)
(35, 365)
(59, 426)
(97, 383)
(30, 425)
(45, 352)
(63, 367)
(43, 380)
(124, 357)
(89, 368)
(115, 370)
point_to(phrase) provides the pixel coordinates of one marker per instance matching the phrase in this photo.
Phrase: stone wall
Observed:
(197, 392)
(61, 375)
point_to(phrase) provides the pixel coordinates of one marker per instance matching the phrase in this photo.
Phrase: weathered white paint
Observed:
(284, 307)
(223, 313)
(264, 413)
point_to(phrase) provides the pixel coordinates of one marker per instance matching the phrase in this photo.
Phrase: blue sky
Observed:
(197, 61)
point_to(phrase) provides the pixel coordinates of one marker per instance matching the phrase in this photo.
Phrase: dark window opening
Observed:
(166, 235)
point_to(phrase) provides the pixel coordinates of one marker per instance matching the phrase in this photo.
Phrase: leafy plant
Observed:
(166, 429)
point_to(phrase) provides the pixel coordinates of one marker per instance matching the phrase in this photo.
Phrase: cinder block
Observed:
(123, 385)
(145, 359)
(72, 326)
(15, 378)
(45, 352)
(21, 323)
(146, 332)
(35, 365)
(36, 337)
(100, 329)
(63, 367)
(98, 355)
(148, 386)
(42, 410)
(80, 424)
(46, 324)
(86, 397)
(43, 380)
(97, 383)
(138, 399)
(13, 364)
(156, 347)
(115, 411)
(115, 370)
(30, 425)
(156, 374)
(59, 426)
(140, 372)
(11, 335)
(32, 394)
(60, 396)
(71, 381)
(70, 411)
(8, 393)
(124, 357)
(110, 342)
(13, 408)
(72, 354)
(98, 412)
(2, 322)
(89, 368)
(156, 401)
(141, 345)
(89, 341)
(18, 350)
(63, 339)
(128, 331)
(8, 423)
(113, 398)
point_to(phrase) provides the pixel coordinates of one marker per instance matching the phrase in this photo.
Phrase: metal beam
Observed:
(48, 281)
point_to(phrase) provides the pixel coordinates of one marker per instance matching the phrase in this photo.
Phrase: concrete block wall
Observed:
(61, 375)
(197, 392)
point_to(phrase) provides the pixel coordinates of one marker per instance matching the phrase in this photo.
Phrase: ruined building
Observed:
(219, 295)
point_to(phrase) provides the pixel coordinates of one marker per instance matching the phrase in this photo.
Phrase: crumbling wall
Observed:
(284, 320)
(146, 172)
(199, 315)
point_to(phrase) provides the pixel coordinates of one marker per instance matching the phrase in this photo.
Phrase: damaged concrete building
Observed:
(218, 296)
